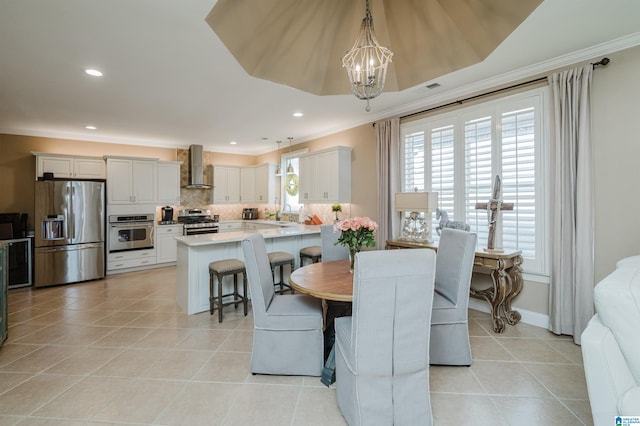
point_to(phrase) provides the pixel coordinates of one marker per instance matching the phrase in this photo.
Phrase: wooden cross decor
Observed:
(493, 208)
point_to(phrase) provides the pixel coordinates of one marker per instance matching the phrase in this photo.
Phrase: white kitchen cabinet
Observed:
(247, 185)
(166, 244)
(265, 188)
(252, 226)
(64, 166)
(325, 176)
(131, 259)
(168, 182)
(226, 185)
(131, 181)
(232, 226)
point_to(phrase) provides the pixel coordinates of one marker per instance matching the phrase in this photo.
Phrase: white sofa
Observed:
(611, 345)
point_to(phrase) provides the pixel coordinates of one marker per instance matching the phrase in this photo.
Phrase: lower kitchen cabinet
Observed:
(131, 259)
(230, 226)
(166, 244)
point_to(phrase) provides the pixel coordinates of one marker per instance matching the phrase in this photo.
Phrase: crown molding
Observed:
(536, 69)
(464, 91)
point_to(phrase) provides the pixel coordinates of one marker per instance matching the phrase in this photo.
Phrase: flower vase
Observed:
(352, 259)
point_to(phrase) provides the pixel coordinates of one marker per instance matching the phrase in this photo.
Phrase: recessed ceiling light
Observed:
(233, 142)
(298, 114)
(93, 72)
(90, 127)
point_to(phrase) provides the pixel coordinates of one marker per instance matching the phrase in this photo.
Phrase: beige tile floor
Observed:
(119, 351)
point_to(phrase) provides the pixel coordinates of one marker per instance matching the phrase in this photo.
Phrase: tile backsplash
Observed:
(203, 198)
(234, 211)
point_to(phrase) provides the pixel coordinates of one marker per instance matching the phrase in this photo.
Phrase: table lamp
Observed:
(414, 227)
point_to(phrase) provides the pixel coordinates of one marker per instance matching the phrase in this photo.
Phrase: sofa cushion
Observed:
(617, 301)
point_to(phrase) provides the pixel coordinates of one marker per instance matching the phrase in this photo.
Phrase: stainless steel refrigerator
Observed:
(69, 231)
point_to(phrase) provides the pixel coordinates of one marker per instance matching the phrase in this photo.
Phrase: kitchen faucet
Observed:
(285, 209)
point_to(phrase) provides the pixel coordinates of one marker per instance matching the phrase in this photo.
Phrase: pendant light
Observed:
(289, 166)
(366, 63)
(278, 168)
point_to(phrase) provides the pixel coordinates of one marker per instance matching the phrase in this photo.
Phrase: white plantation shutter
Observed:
(458, 154)
(478, 172)
(442, 171)
(414, 162)
(518, 181)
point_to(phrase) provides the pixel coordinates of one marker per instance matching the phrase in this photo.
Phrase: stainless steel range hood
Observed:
(196, 170)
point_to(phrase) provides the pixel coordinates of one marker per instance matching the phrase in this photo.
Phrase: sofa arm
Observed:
(606, 371)
(630, 402)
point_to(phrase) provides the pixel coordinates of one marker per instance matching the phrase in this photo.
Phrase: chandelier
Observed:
(367, 62)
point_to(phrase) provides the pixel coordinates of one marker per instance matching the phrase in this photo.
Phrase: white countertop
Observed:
(262, 221)
(286, 229)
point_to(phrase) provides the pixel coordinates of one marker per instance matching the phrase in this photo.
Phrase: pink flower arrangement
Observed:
(356, 232)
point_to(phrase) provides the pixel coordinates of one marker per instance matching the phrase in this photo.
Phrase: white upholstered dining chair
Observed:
(382, 351)
(449, 318)
(330, 251)
(287, 333)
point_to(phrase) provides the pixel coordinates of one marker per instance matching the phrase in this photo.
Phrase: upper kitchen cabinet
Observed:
(74, 167)
(168, 182)
(325, 176)
(265, 184)
(226, 185)
(247, 185)
(131, 181)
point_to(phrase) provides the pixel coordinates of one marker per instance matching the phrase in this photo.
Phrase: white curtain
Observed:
(388, 166)
(572, 275)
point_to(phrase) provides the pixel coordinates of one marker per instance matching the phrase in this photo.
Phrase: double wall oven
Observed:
(130, 232)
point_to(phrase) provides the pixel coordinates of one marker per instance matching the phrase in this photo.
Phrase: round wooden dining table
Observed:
(324, 280)
(332, 282)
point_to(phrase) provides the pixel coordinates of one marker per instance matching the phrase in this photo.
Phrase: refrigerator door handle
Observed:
(67, 213)
(72, 213)
(70, 247)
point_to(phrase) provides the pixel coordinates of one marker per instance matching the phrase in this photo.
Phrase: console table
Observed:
(506, 273)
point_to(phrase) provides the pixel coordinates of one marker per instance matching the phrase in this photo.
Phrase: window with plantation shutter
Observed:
(414, 162)
(442, 169)
(459, 153)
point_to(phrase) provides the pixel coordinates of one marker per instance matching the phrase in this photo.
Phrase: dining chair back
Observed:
(331, 251)
(449, 318)
(287, 332)
(382, 350)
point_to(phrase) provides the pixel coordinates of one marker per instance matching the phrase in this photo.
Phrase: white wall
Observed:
(616, 139)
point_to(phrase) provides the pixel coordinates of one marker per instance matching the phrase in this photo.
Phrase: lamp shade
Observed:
(417, 201)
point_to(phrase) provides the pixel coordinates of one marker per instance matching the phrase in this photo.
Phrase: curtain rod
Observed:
(602, 62)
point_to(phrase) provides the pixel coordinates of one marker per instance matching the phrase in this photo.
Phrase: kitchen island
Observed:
(195, 252)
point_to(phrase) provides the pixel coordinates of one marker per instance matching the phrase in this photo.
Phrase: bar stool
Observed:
(312, 252)
(219, 270)
(281, 258)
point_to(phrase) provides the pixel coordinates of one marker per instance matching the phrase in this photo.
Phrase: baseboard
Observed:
(528, 317)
